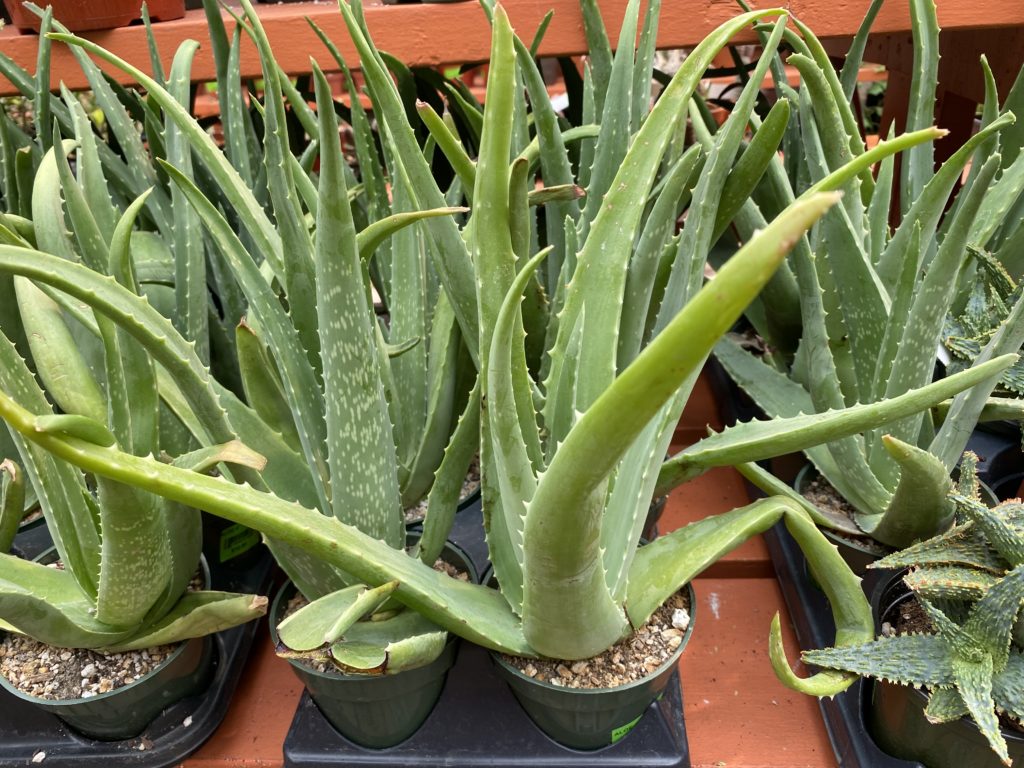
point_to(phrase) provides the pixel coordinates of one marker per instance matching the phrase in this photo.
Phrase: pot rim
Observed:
(667, 665)
(8, 686)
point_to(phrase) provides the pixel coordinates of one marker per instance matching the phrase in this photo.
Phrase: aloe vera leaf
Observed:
(881, 202)
(599, 50)
(404, 641)
(359, 430)
(47, 210)
(450, 256)
(41, 103)
(196, 614)
(756, 440)
(45, 604)
(902, 302)
(494, 257)
(918, 165)
(968, 406)
(326, 619)
(264, 390)
(370, 238)
(59, 486)
(919, 508)
(606, 430)
(667, 563)
(644, 263)
(133, 401)
(154, 51)
(441, 406)
(515, 471)
(449, 143)
(90, 169)
(615, 93)
(915, 357)
(55, 354)
(259, 227)
(73, 424)
(835, 139)
(135, 563)
(989, 112)
(12, 502)
(91, 243)
(995, 208)
(300, 385)
(444, 495)
(855, 56)
(409, 320)
(590, 117)
(643, 66)
(471, 611)
(751, 165)
(772, 486)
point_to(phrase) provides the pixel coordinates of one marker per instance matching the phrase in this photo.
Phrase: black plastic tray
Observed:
(844, 715)
(26, 731)
(477, 723)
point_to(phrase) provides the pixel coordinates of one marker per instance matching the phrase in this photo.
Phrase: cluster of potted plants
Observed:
(190, 325)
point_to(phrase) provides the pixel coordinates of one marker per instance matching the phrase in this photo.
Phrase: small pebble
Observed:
(38, 757)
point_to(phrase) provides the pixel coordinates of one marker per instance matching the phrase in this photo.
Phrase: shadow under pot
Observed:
(125, 712)
(376, 711)
(897, 721)
(592, 718)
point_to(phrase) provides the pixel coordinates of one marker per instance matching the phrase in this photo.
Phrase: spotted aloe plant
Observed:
(970, 581)
(873, 302)
(127, 555)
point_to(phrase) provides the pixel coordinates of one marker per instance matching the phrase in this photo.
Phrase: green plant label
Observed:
(622, 730)
(235, 540)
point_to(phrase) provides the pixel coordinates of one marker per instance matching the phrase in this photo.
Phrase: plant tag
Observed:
(235, 540)
(622, 730)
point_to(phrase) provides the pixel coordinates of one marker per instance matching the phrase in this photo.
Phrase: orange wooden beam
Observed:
(452, 33)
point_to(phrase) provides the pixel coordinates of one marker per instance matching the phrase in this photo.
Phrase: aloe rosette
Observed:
(873, 302)
(970, 582)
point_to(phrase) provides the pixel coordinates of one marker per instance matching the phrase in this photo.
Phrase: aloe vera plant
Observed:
(560, 532)
(128, 555)
(970, 581)
(873, 302)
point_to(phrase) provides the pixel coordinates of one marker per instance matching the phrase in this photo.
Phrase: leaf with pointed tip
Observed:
(12, 502)
(326, 619)
(945, 705)
(920, 507)
(196, 614)
(903, 659)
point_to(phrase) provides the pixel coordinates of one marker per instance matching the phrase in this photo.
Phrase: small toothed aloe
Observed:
(970, 581)
(873, 302)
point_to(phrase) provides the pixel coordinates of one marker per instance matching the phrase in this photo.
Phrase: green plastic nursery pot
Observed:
(124, 712)
(592, 718)
(376, 711)
(898, 724)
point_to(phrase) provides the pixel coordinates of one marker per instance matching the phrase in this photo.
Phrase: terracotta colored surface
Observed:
(437, 34)
(260, 715)
(737, 714)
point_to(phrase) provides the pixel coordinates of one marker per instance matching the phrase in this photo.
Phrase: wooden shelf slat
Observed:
(453, 33)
